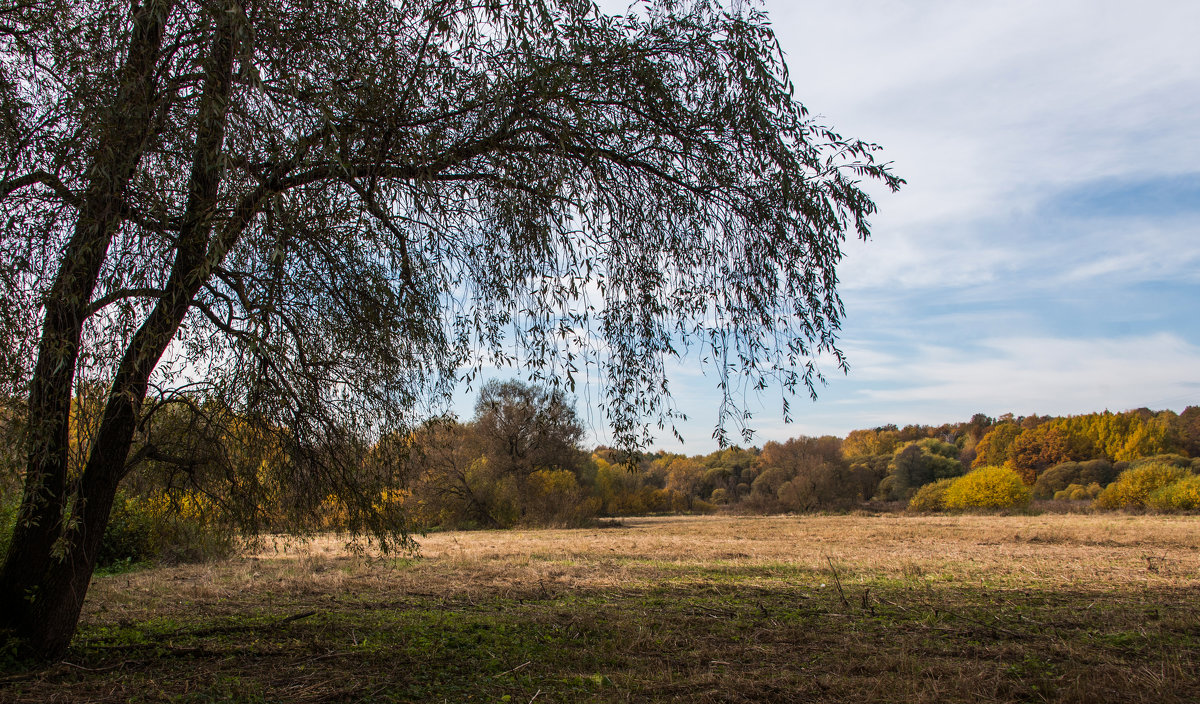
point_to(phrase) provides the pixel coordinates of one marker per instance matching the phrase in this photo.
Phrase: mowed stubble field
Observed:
(883, 608)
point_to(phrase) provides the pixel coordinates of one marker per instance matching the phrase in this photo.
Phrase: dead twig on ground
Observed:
(518, 667)
(837, 582)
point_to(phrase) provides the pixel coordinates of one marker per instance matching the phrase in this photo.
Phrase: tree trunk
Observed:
(33, 552)
(48, 620)
(49, 565)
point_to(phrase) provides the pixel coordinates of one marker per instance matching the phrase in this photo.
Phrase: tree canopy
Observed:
(321, 214)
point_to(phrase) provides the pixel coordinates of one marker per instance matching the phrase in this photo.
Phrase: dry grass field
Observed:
(891, 608)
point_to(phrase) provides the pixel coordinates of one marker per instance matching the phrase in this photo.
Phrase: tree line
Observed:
(473, 474)
(520, 460)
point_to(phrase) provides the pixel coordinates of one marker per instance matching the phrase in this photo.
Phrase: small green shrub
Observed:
(886, 488)
(1061, 476)
(1079, 492)
(931, 497)
(1135, 485)
(987, 487)
(1183, 495)
(129, 537)
(8, 518)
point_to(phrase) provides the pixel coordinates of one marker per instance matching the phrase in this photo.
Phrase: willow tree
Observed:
(325, 212)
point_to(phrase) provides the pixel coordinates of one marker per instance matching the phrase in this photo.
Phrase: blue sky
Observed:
(1045, 255)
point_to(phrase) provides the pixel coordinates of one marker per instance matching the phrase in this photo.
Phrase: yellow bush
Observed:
(931, 497)
(1134, 486)
(987, 487)
(334, 515)
(188, 505)
(1183, 495)
(183, 526)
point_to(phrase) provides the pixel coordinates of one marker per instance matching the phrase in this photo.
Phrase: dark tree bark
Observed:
(35, 581)
(44, 587)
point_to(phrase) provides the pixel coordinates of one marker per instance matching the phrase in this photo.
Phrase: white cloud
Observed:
(1042, 374)
(987, 108)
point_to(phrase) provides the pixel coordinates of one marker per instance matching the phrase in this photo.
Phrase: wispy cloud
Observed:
(1044, 375)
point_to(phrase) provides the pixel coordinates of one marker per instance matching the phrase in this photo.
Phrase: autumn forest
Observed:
(204, 479)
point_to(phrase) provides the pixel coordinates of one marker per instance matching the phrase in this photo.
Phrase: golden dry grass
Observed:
(813, 608)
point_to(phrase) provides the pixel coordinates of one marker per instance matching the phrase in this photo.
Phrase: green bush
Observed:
(1170, 459)
(919, 463)
(987, 487)
(1135, 485)
(931, 497)
(130, 535)
(1079, 492)
(137, 532)
(1183, 495)
(8, 518)
(1061, 476)
(165, 529)
(886, 488)
(180, 540)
